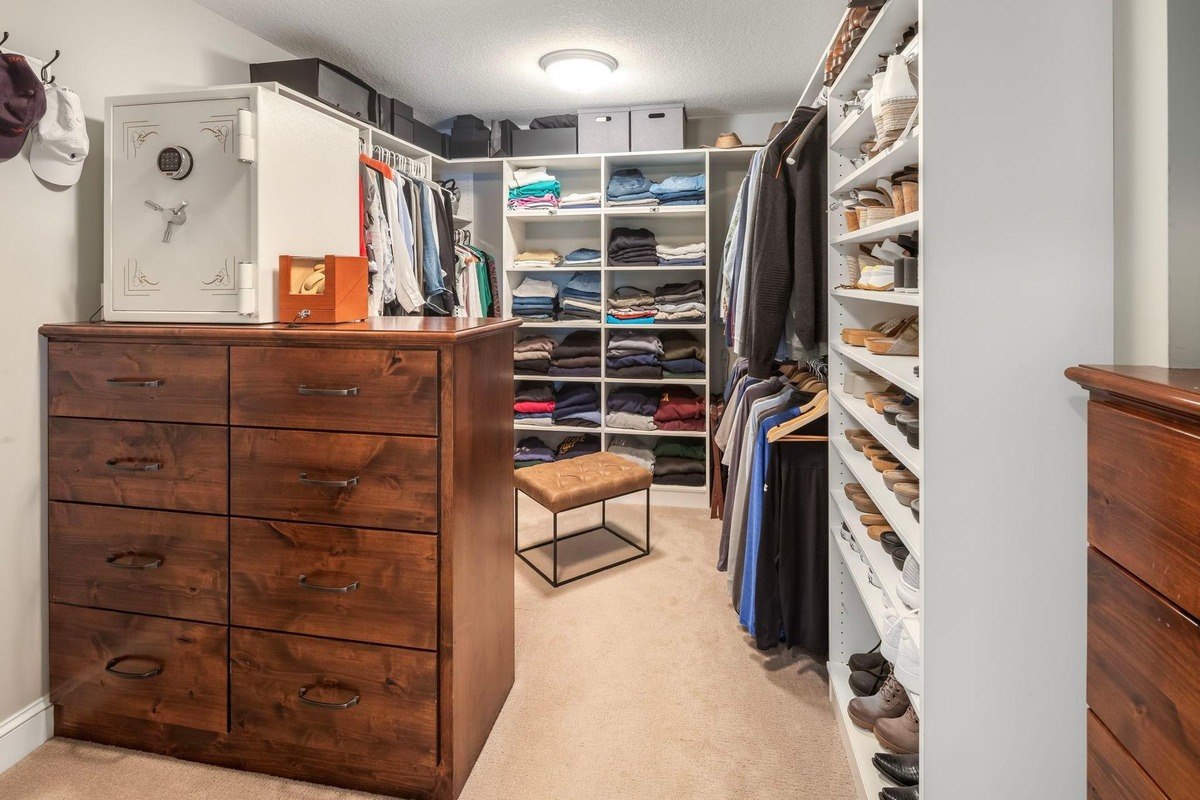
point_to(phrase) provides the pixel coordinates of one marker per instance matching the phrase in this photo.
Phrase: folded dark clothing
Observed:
(689, 479)
(681, 262)
(533, 393)
(683, 366)
(538, 367)
(674, 465)
(669, 197)
(577, 422)
(577, 410)
(634, 401)
(639, 360)
(680, 447)
(524, 464)
(577, 394)
(644, 371)
(532, 302)
(626, 238)
(584, 316)
(680, 289)
(574, 372)
(578, 343)
(532, 449)
(534, 316)
(677, 344)
(691, 424)
(647, 250)
(578, 361)
(679, 403)
(579, 445)
(535, 344)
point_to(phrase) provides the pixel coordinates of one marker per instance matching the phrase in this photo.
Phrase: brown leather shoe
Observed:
(889, 702)
(900, 734)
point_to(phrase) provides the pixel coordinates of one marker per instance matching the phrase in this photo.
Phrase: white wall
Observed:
(51, 240)
(1183, 157)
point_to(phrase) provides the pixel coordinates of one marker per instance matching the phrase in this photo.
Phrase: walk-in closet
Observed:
(579, 400)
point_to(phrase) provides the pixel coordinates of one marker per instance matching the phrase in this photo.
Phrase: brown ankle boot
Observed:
(902, 735)
(889, 702)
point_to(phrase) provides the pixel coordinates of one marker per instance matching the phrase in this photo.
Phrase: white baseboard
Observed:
(26, 731)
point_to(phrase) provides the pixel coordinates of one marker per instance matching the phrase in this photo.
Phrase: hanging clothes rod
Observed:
(409, 166)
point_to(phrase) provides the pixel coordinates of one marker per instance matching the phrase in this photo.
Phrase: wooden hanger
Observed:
(815, 409)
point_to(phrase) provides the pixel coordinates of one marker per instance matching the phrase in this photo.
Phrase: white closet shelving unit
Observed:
(857, 600)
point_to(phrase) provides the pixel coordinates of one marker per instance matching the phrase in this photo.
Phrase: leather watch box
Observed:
(330, 288)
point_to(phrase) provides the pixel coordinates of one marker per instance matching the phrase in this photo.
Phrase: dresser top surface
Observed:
(1174, 389)
(398, 331)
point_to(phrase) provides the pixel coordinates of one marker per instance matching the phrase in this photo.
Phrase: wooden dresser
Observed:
(1143, 582)
(286, 550)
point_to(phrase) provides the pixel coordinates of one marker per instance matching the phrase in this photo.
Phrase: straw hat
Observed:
(728, 140)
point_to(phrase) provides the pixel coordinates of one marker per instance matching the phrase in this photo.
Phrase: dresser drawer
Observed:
(345, 711)
(1112, 772)
(144, 464)
(345, 583)
(1144, 498)
(151, 562)
(159, 670)
(1142, 656)
(363, 391)
(154, 382)
(343, 478)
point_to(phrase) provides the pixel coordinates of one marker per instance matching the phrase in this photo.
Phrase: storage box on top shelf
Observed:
(322, 81)
(394, 116)
(430, 139)
(502, 138)
(467, 122)
(657, 127)
(604, 130)
(470, 142)
(545, 142)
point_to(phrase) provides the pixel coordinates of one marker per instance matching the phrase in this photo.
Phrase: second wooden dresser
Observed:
(286, 550)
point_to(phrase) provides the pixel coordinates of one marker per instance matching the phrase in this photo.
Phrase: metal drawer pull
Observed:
(133, 383)
(312, 391)
(333, 484)
(130, 465)
(316, 587)
(151, 562)
(154, 672)
(351, 703)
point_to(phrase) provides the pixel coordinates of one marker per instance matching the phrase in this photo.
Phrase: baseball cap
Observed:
(60, 141)
(22, 102)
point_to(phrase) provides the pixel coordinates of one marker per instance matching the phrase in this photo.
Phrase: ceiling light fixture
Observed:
(578, 70)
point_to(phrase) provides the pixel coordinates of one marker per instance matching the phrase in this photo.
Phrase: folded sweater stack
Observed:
(679, 462)
(680, 302)
(581, 297)
(533, 189)
(583, 257)
(687, 255)
(680, 190)
(682, 355)
(578, 356)
(538, 259)
(577, 404)
(679, 409)
(632, 408)
(630, 305)
(535, 299)
(531, 355)
(530, 452)
(533, 404)
(633, 354)
(632, 247)
(632, 449)
(575, 446)
(630, 188)
(580, 200)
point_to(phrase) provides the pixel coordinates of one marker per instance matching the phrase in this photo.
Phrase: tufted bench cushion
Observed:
(564, 485)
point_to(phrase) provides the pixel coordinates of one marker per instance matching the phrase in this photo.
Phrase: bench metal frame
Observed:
(642, 551)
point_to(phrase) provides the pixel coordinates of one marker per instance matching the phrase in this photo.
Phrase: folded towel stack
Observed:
(632, 354)
(535, 299)
(680, 302)
(632, 449)
(632, 247)
(580, 200)
(680, 190)
(679, 409)
(682, 356)
(632, 408)
(531, 355)
(679, 462)
(577, 404)
(629, 187)
(534, 404)
(530, 452)
(575, 446)
(577, 356)
(536, 259)
(583, 257)
(631, 306)
(688, 255)
(533, 189)
(581, 297)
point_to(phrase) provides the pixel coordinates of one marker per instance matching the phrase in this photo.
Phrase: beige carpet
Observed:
(635, 683)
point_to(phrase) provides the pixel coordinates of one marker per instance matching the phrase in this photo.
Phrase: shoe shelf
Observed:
(859, 127)
(905, 223)
(860, 745)
(902, 521)
(893, 298)
(871, 596)
(900, 155)
(897, 369)
(888, 435)
(885, 32)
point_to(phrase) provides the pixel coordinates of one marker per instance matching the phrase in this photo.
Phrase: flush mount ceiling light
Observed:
(578, 70)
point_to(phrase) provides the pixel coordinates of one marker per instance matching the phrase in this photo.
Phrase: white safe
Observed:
(205, 189)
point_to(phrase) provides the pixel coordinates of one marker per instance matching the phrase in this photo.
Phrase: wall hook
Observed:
(46, 67)
(4, 39)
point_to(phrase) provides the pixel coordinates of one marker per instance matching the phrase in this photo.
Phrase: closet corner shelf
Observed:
(898, 156)
(462, 222)
(892, 298)
(897, 369)
(900, 517)
(888, 435)
(905, 223)
(860, 745)
(882, 37)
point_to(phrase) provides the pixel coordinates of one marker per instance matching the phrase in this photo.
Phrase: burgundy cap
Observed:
(22, 102)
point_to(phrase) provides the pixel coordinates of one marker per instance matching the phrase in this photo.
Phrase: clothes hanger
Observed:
(815, 409)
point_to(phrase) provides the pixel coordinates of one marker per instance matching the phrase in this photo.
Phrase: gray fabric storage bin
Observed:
(657, 127)
(604, 130)
(544, 142)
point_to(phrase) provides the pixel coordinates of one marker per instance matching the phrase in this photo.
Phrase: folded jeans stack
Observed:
(581, 297)
(632, 354)
(680, 190)
(530, 452)
(575, 446)
(682, 356)
(679, 462)
(580, 200)
(632, 247)
(679, 409)
(632, 408)
(533, 404)
(577, 404)
(687, 255)
(531, 355)
(629, 187)
(680, 302)
(535, 299)
(533, 189)
(578, 356)
(632, 449)
(629, 305)
(583, 257)
(538, 259)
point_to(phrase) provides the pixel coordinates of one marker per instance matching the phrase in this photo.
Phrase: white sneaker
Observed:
(907, 666)
(879, 278)
(890, 645)
(908, 588)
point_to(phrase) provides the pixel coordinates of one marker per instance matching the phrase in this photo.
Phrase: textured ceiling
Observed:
(470, 56)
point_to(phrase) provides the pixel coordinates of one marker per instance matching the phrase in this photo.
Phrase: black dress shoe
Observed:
(890, 541)
(872, 660)
(899, 555)
(865, 683)
(900, 793)
(904, 770)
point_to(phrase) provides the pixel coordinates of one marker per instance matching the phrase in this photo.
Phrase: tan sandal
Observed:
(885, 463)
(871, 520)
(876, 532)
(891, 478)
(864, 504)
(907, 492)
(876, 450)
(905, 342)
(855, 490)
(856, 337)
(859, 442)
